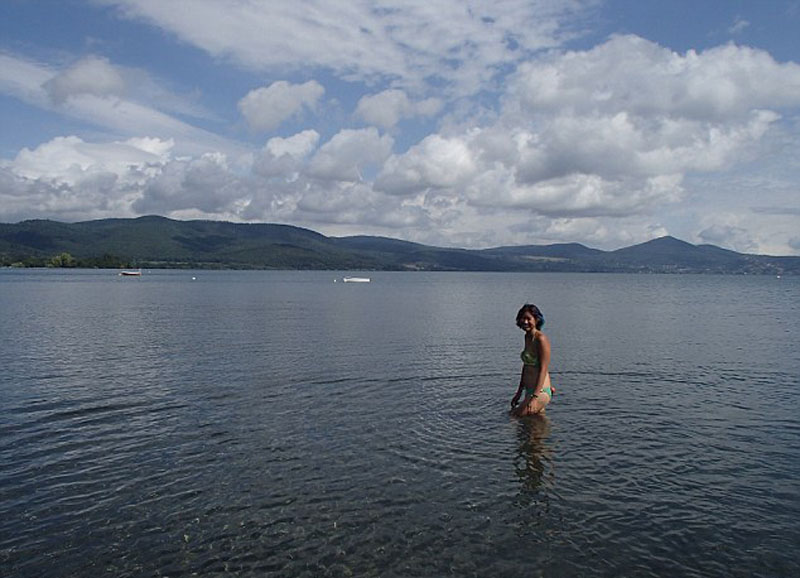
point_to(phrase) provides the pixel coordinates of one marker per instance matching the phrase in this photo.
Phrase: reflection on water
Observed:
(276, 423)
(534, 457)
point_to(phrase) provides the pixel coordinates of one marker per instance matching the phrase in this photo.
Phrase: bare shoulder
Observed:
(544, 341)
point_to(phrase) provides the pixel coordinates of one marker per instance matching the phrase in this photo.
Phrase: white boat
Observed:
(356, 279)
(131, 273)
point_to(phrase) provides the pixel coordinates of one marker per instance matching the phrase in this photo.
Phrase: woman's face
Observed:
(527, 322)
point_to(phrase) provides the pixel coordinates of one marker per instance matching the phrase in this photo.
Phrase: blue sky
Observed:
(453, 123)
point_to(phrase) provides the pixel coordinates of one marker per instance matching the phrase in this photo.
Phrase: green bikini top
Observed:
(529, 358)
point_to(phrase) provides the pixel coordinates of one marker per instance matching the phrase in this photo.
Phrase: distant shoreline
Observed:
(159, 243)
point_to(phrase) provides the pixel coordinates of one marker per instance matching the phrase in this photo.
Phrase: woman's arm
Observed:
(515, 399)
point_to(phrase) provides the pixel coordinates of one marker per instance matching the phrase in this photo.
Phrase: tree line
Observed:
(66, 260)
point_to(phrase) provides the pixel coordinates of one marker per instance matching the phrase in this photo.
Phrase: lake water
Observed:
(280, 423)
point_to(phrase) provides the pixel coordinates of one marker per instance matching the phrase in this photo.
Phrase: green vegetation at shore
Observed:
(65, 261)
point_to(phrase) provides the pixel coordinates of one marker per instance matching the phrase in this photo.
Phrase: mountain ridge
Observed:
(156, 241)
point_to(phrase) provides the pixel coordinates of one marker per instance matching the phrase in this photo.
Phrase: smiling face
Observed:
(527, 322)
(529, 317)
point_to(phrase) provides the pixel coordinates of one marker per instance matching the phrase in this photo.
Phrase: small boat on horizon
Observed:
(131, 273)
(356, 279)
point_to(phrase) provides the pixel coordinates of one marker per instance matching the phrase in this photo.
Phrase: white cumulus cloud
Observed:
(68, 160)
(285, 156)
(91, 75)
(205, 183)
(298, 145)
(632, 74)
(268, 107)
(345, 156)
(436, 162)
(389, 107)
(69, 178)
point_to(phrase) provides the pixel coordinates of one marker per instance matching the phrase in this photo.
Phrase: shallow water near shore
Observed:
(280, 423)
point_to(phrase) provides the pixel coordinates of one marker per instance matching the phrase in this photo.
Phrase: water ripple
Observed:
(270, 424)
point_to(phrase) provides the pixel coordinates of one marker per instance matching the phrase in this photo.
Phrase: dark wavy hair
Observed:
(533, 310)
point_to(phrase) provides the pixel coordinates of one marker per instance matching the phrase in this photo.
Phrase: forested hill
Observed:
(161, 242)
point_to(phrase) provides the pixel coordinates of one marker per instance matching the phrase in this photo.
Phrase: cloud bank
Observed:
(527, 142)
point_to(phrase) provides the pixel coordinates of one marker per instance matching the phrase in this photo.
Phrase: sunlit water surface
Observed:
(279, 423)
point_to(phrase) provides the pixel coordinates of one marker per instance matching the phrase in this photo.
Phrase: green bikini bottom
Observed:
(547, 390)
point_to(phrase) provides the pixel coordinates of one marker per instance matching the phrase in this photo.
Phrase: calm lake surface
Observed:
(279, 423)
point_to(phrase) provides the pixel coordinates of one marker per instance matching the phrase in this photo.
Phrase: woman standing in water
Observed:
(535, 379)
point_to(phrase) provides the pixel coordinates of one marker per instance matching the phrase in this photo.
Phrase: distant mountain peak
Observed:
(667, 240)
(667, 243)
